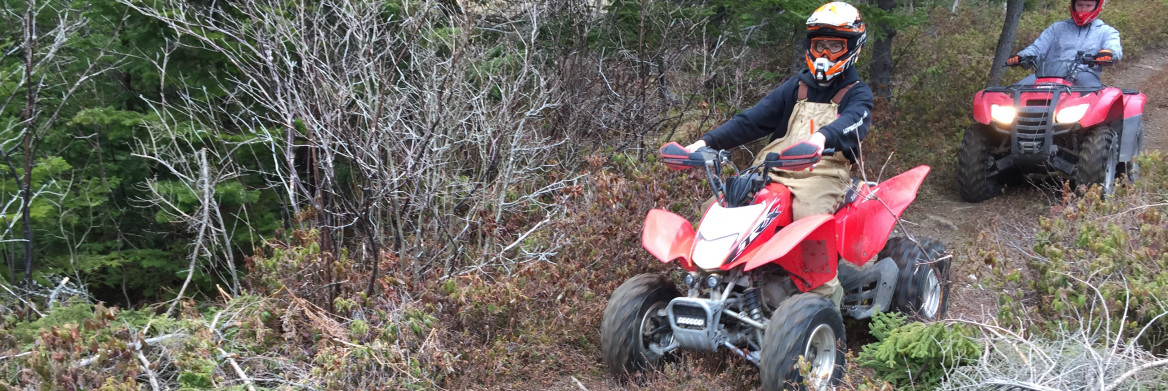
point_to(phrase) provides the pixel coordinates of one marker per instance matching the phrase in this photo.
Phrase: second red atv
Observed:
(1091, 134)
(750, 269)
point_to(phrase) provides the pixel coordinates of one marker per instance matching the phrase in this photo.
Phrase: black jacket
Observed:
(771, 115)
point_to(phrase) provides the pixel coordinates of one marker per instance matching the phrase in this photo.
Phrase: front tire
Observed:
(632, 321)
(1098, 160)
(974, 182)
(805, 325)
(922, 286)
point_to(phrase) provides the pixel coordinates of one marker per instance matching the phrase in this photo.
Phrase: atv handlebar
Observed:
(797, 157)
(1031, 62)
(1026, 62)
(738, 188)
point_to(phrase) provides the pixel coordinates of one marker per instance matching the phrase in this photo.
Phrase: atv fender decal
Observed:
(864, 225)
(668, 237)
(759, 228)
(805, 249)
(1107, 106)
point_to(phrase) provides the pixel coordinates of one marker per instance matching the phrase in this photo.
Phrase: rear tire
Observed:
(1098, 160)
(805, 325)
(631, 323)
(973, 166)
(922, 286)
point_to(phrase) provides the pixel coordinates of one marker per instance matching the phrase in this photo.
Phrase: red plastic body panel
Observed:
(668, 237)
(779, 197)
(806, 249)
(1101, 107)
(1133, 105)
(775, 192)
(982, 102)
(863, 226)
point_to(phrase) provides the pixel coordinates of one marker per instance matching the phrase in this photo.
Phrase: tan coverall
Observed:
(821, 189)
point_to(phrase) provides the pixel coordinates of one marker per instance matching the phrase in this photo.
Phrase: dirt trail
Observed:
(939, 212)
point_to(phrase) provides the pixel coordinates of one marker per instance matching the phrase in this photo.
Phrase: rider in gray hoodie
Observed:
(1061, 43)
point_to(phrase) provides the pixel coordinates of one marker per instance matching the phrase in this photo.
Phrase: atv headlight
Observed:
(1003, 114)
(1071, 114)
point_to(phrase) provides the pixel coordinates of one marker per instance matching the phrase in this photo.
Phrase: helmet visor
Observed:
(831, 48)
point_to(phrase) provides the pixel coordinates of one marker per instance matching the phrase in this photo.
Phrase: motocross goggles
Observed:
(831, 48)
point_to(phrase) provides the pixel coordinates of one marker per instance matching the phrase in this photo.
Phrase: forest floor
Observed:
(1010, 218)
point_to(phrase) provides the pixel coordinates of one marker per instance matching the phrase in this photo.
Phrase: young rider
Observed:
(826, 105)
(1066, 39)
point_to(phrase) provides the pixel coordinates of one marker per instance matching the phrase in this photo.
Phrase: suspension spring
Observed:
(752, 307)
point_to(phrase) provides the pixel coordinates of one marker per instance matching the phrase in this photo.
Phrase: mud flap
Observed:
(869, 289)
(1130, 138)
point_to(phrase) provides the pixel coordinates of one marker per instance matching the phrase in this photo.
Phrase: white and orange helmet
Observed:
(835, 34)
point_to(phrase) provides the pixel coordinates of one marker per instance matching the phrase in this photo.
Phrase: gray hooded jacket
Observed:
(1063, 40)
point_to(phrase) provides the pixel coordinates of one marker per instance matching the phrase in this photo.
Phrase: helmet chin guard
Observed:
(820, 68)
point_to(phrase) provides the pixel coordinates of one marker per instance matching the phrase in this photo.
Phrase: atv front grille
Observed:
(696, 323)
(1034, 128)
(1037, 102)
(1032, 124)
(693, 318)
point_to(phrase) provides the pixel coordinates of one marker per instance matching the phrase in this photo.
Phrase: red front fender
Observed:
(668, 237)
(1105, 106)
(805, 249)
(864, 225)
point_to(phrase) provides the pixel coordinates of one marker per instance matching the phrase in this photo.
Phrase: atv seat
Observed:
(1130, 92)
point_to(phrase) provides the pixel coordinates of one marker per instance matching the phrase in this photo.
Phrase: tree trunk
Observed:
(1005, 41)
(881, 68)
(799, 59)
(29, 127)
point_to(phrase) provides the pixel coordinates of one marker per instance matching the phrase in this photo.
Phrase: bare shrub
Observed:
(1088, 357)
(399, 126)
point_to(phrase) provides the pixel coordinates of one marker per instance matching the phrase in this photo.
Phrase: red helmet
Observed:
(1085, 18)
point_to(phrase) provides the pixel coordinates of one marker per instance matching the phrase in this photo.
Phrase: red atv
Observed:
(749, 269)
(1091, 134)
